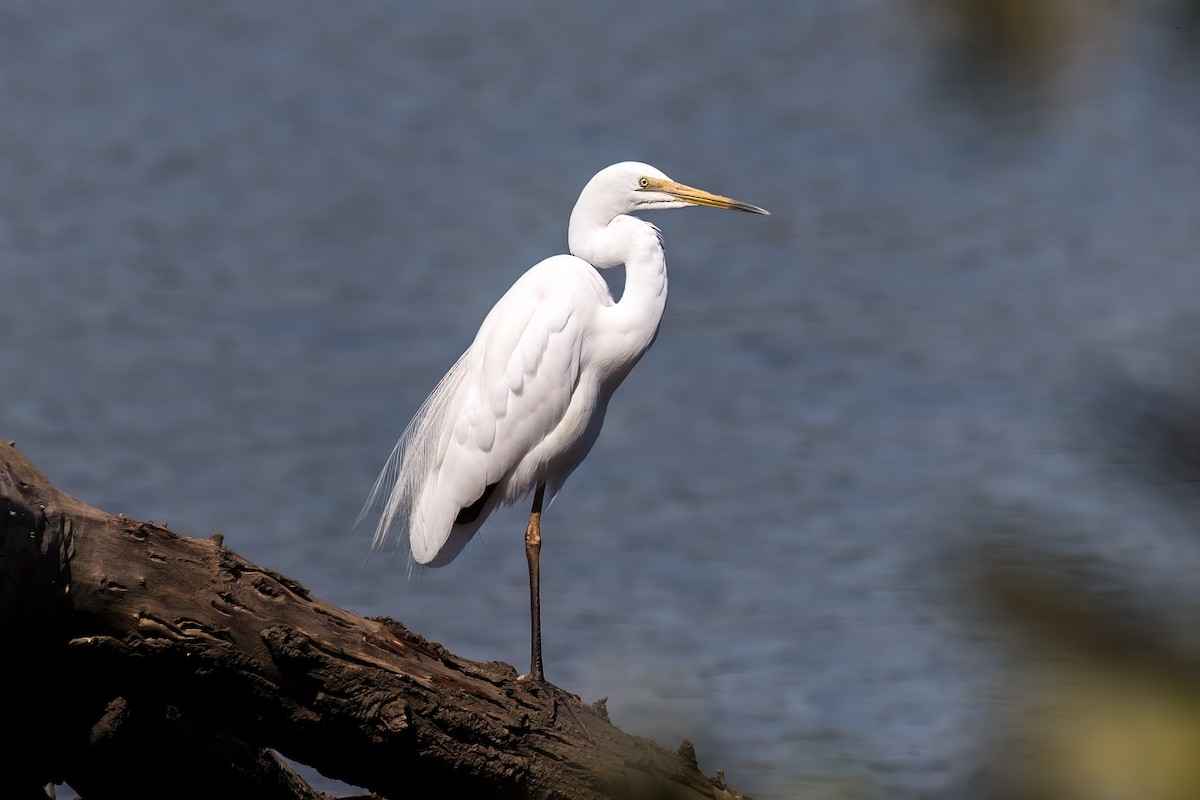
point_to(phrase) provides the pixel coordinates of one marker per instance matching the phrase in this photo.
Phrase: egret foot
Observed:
(558, 696)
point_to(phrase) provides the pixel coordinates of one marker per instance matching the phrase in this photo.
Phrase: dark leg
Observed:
(533, 550)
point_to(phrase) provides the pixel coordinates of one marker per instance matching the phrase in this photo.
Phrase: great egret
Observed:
(522, 407)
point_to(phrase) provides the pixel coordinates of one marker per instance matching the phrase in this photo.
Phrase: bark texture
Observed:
(143, 663)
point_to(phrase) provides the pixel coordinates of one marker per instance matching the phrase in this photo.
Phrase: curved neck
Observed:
(633, 321)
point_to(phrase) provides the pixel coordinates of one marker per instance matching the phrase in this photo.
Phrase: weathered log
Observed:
(141, 662)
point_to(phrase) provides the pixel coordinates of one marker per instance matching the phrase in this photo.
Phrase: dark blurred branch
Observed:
(1152, 430)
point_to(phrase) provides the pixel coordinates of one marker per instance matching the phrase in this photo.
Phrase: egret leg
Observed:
(533, 550)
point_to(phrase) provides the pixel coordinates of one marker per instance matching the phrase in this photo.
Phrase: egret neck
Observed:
(631, 325)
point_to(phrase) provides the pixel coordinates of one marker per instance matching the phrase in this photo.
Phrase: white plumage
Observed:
(500, 416)
(524, 404)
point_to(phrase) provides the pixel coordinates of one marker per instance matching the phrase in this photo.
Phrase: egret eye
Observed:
(644, 183)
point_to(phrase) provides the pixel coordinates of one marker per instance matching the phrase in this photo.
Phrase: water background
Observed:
(239, 243)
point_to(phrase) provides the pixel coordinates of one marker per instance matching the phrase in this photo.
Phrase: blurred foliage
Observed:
(1104, 707)
(1105, 702)
(1007, 55)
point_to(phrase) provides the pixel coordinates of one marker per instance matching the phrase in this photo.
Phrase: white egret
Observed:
(522, 407)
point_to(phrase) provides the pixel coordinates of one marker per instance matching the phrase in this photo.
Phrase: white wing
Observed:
(487, 433)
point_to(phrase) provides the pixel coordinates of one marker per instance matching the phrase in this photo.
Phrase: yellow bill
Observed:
(698, 197)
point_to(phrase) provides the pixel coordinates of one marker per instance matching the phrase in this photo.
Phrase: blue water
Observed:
(239, 243)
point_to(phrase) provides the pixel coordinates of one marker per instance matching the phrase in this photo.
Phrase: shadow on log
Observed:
(143, 663)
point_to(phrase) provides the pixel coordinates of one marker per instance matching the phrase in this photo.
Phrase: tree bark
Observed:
(144, 663)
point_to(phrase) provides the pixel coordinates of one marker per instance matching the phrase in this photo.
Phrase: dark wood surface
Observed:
(145, 663)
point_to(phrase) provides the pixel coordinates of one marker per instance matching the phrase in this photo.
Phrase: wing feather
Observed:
(422, 443)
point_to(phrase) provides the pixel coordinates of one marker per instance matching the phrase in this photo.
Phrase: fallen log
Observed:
(143, 663)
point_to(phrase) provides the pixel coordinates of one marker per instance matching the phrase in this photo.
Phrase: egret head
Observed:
(601, 229)
(631, 186)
